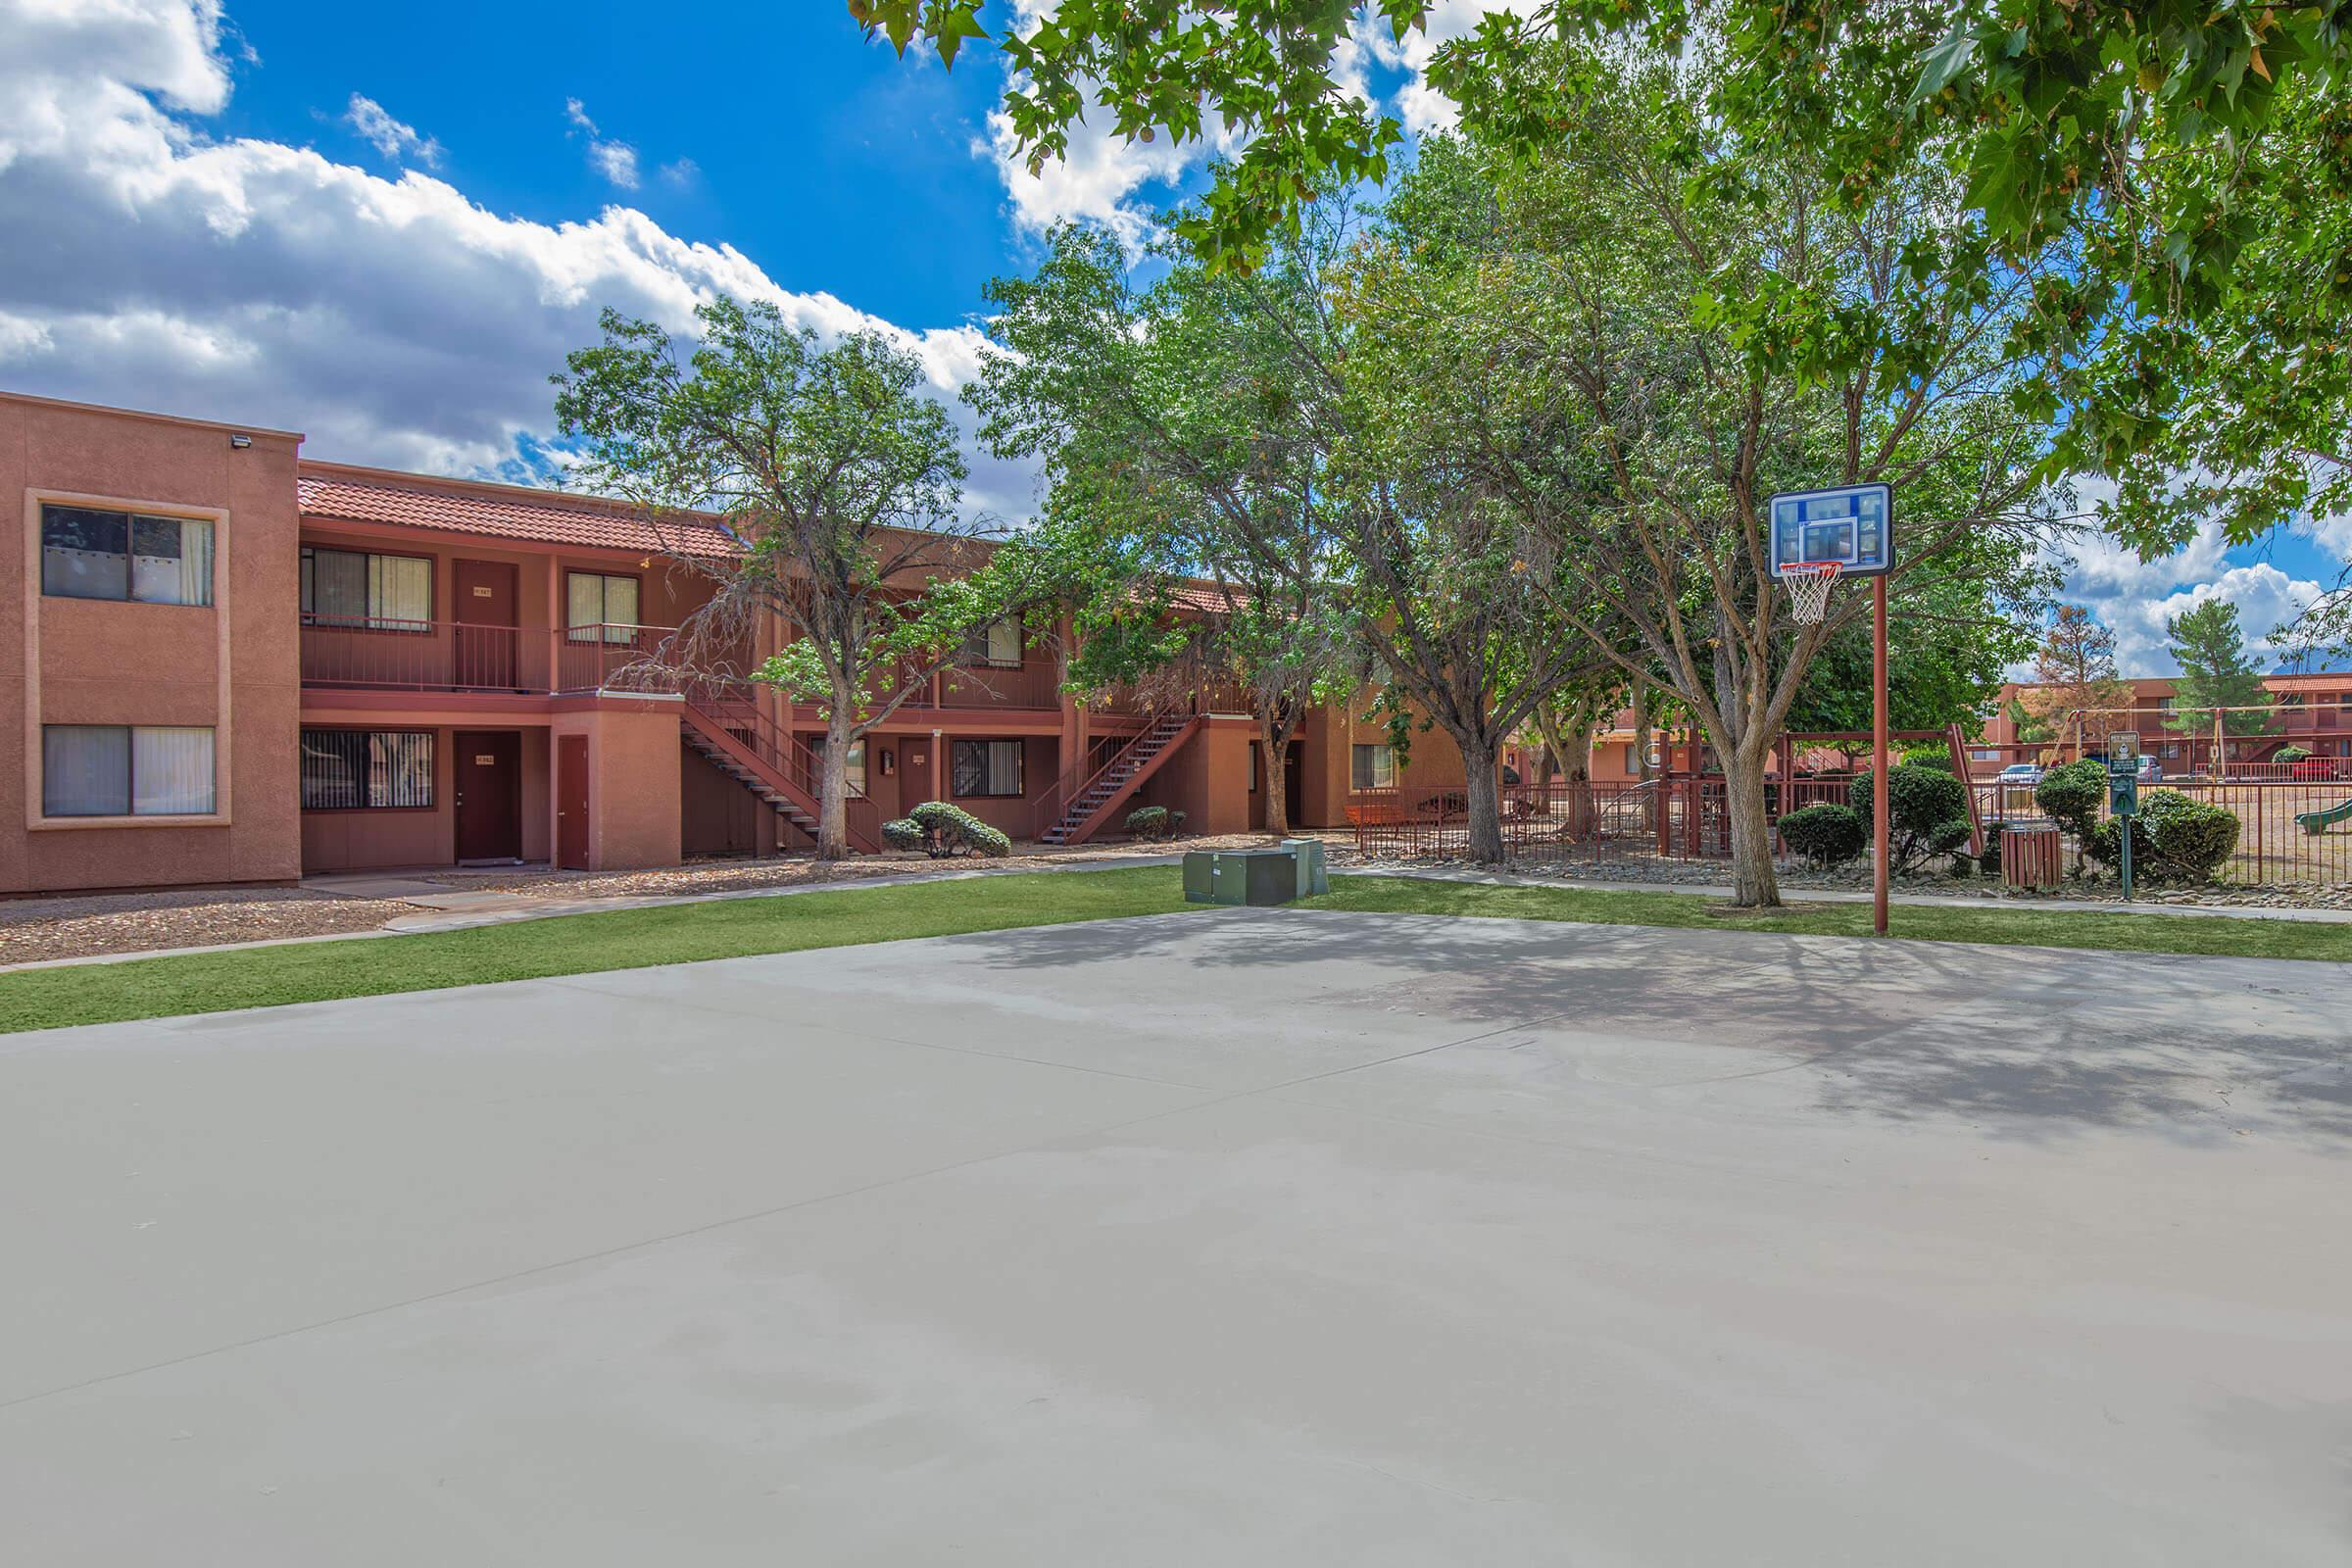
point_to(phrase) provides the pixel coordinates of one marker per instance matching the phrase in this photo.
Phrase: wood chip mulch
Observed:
(34, 929)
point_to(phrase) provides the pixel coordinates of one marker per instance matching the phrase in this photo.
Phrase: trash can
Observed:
(1240, 876)
(2032, 855)
(1312, 878)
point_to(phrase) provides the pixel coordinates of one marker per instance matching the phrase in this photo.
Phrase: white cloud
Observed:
(1422, 108)
(616, 161)
(1098, 181)
(395, 140)
(681, 172)
(393, 320)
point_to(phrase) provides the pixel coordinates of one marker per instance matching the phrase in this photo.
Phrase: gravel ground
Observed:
(35, 929)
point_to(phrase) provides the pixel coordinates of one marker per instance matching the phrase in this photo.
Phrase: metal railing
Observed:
(381, 654)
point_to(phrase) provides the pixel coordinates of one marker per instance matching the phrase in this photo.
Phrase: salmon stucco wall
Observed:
(230, 666)
(634, 781)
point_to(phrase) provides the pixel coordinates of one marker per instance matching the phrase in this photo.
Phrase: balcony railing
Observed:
(379, 654)
(1035, 684)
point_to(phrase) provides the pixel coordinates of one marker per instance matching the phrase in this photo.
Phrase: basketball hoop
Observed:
(1809, 583)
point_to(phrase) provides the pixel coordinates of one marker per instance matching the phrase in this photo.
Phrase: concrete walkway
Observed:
(1252, 1239)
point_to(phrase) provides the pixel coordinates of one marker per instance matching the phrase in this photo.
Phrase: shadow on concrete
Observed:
(2031, 1043)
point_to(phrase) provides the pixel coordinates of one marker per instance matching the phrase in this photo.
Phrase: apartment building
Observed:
(238, 665)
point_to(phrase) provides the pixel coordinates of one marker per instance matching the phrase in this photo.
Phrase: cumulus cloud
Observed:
(681, 172)
(396, 140)
(2135, 598)
(616, 161)
(393, 320)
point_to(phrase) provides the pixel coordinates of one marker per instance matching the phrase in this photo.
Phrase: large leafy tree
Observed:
(1545, 307)
(1184, 472)
(842, 479)
(1950, 642)
(2191, 160)
(2216, 674)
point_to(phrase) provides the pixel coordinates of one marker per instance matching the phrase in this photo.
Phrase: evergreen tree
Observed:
(2215, 673)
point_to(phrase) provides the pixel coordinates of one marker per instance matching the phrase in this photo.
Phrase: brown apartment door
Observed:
(489, 794)
(914, 761)
(1294, 783)
(485, 636)
(571, 802)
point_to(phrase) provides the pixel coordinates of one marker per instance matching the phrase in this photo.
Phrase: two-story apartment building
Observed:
(238, 665)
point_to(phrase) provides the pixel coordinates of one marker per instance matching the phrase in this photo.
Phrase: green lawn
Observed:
(576, 944)
(2008, 924)
(631, 938)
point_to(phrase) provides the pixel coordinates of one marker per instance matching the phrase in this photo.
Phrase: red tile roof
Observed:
(503, 513)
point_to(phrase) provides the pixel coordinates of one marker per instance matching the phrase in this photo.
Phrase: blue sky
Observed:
(384, 226)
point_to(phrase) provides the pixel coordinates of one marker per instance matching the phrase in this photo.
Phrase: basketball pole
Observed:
(1878, 753)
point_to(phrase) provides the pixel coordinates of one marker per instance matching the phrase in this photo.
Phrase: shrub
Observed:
(1963, 865)
(1990, 859)
(941, 831)
(2174, 839)
(1153, 822)
(2193, 838)
(1825, 835)
(1939, 758)
(2291, 753)
(1929, 807)
(2072, 796)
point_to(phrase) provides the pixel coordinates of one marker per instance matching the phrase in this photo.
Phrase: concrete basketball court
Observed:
(1238, 1238)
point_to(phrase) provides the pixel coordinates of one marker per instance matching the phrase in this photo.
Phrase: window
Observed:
(1372, 767)
(125, 770)
(987, 768)
(361, 769)
(600, 608)
(1987, 757)
(995, 646)
(90, 554)
(855, 768)
(352, 588)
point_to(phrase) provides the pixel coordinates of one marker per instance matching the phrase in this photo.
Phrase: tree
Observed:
(1184, 472)
(841, 478)
(1546, 309)
(2215, 673)
(2187, 165)
(2074, 676)
(1950, 642)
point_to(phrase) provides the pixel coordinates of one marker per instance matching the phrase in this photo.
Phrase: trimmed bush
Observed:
(1927, 805)
(2193, 838)
(2174, 839)
(1825, 835)
(943, 831)
(2072, 796)
(2290, 754)
(1153, 822)
(1990, 859)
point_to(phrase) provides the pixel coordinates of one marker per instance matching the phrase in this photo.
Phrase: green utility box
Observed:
(1314, 879)
(1240, 876)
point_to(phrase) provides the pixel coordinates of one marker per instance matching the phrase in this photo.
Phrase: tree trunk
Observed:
(833, 784)
(1755, 882)
(1479, 769)
(1273, 780)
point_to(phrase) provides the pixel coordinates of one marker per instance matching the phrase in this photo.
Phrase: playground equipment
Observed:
(2317, 823)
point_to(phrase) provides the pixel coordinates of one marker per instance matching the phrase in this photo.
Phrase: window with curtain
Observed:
(126, 770)
(88, 552)
(600, 608)
(987, 768)
(357, 588)
(1372, 767)
(995, 646)
(364, 770)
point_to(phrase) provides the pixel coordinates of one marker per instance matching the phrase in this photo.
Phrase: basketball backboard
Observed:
(1852, 527)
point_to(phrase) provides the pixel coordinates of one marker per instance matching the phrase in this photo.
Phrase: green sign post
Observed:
(2122, 793)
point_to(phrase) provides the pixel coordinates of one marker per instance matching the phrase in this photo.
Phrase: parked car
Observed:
(2306, 767)
(2151, 771)
(2026, 774)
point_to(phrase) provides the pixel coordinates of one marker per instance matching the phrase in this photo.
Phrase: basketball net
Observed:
(1809, 584)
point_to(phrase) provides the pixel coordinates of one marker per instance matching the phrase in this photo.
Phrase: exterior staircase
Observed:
(1093, 800)
(767, 766)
